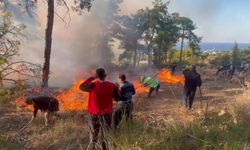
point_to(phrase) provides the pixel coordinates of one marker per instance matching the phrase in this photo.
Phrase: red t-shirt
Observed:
(101, 95)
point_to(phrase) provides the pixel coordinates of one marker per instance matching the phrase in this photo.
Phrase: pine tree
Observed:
(236, 55)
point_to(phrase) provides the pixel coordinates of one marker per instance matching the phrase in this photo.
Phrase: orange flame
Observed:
(72, 99)
(167, 77)
(20, 102)
(140, 89)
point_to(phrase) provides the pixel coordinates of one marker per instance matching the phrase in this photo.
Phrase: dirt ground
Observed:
(217, 95)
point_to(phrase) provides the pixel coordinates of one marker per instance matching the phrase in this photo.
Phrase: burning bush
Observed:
(72, 99)
(140, 89)
(166, 76)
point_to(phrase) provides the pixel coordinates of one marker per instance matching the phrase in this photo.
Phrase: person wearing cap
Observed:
(152, 83)
(124, 105)
(100, 106)
(192, 81)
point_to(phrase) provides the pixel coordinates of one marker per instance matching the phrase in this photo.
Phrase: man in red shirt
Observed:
(100, 105)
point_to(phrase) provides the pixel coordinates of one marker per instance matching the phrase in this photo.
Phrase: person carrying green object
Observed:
(152, 83)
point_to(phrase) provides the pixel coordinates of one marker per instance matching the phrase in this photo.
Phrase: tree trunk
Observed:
(165, 57)
(138, 60)
(149, 56)
(48, 43)
(182, 45)
(170, 59)
(135, 56)
(1, 82)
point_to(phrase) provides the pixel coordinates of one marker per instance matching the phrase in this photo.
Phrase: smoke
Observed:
(77, 46)
(197, 9)
(82, 43)
(131, 6)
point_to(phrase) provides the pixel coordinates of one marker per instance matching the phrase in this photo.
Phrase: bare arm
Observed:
(87, 85)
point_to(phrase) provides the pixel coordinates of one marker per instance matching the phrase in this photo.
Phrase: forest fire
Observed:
(140, 89)
(72, 99)
(166, 76)
(20, 102)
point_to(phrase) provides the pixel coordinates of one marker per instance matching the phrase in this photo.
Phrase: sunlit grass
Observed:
(219, 132)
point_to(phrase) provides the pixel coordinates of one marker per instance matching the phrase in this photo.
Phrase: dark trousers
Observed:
(230, 75)
(102, 124)
(188, 97)
(122, 109)
(151, 90)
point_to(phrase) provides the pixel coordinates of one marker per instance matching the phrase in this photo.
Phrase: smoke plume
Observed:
(79, 42)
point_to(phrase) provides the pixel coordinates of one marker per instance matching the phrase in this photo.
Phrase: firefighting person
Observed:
(125, 104)
(152, 83)
(192, 81)
(100, 105)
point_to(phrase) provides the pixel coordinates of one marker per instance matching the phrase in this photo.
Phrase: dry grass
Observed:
(160, 123)
(68, 132)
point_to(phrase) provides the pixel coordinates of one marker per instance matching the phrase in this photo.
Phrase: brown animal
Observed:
(45, 104)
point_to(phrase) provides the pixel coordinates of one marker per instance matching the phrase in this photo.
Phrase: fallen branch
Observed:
(81, 147)
(172, 92)
(24, 126)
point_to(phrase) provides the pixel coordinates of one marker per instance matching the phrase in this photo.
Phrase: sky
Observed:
(216, 20)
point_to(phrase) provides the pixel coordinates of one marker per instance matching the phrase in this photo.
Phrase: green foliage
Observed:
(221, 59)
(218, 132)
(8, 144)
(8, 95)
(158, 31)
(245, 54)
(187, 28)
(129, 34)
(236, 60)
(189, 56)
(10, 41)
(236, 56)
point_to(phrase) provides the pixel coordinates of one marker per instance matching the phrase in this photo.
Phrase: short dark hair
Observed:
(122, 77)
(101, 74)
(193, 67)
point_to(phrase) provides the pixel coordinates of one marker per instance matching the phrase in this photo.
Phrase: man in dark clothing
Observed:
(231, 72)
(192, 81)
(100, 105)
(125, 104)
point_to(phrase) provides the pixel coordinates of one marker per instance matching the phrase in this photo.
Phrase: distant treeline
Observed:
(217, 46)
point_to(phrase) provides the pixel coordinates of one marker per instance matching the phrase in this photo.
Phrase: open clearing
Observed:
(70, 131)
